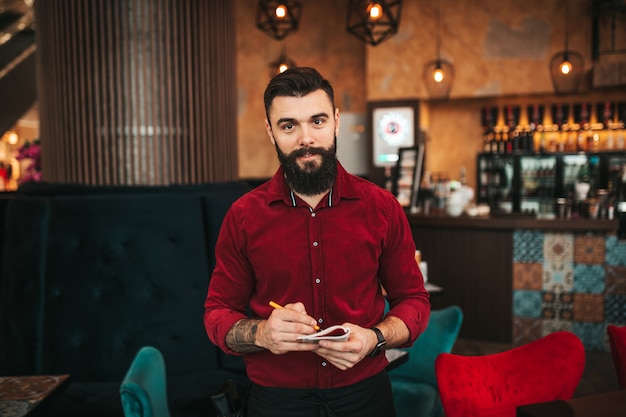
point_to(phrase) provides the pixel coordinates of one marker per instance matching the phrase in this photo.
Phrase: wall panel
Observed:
(137, 91)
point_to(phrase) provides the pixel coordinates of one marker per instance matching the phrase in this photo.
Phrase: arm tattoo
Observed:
(242, 336)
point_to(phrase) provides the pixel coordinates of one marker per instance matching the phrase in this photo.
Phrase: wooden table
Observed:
(609, 404)
(23, 395)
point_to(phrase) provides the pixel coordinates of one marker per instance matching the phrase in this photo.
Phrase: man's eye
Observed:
(287, 126)
(318, 122)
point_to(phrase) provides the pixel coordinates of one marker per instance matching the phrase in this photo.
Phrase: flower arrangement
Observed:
(30, 152)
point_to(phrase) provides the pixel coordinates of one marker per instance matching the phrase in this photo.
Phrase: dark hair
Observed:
(296, 82)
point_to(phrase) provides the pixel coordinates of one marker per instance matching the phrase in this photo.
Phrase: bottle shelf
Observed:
(534, 182)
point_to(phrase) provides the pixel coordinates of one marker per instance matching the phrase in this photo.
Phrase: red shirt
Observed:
(272, 246)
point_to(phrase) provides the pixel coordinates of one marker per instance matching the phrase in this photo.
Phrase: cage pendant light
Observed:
(439, 73)
(282, 63)
(373, 21)
(566, 66)
(278, 18)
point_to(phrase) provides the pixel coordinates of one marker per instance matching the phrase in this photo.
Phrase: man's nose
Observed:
(306, 139)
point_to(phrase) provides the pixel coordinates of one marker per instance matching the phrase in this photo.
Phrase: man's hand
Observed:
(344, 355)
(280, 331)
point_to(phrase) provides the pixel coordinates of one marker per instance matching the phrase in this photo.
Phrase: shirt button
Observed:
(317, 281)
(323, 363)
(315, 243)
(320, 321)
(313, 214)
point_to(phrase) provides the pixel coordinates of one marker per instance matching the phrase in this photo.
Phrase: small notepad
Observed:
(334, 333)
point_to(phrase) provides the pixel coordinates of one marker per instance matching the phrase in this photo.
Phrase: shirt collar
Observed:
(343, 188)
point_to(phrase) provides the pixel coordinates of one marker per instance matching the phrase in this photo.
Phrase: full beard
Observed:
(310, 179)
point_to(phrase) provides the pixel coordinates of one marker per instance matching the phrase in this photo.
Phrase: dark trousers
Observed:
(369, 398)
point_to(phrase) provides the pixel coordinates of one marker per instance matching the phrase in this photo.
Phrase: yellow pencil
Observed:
(276, 305)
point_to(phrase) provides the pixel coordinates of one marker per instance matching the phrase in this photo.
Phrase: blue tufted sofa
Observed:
(90, 274)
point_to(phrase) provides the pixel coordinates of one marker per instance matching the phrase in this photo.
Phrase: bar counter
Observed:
(495, 267)
(511, 222)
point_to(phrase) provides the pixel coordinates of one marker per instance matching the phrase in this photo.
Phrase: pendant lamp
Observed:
(566, 67)
(281, 64)
(373, 21)
(278, 18)
(439, 73)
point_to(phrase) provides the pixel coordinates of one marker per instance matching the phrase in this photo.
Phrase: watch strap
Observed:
(380, 344)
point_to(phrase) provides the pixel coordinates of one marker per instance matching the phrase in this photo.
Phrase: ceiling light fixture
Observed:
(278, 18)
(373, 21)
(281, 64)
(566, 67)
(439, 73)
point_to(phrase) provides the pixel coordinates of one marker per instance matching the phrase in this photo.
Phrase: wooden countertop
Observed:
(512, 222)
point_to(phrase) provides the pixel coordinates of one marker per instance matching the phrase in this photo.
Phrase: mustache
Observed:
(306, 151)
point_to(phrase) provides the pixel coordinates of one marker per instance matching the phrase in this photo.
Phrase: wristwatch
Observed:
(381, 342)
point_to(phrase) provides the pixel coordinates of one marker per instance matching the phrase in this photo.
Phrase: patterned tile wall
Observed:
(568, 281)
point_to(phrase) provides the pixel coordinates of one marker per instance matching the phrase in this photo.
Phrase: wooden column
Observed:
(137, 91)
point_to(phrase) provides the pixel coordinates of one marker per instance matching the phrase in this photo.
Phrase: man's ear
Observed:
(337, 121)
(268, 129)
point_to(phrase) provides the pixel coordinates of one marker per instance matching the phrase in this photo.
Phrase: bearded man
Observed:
(320, 242)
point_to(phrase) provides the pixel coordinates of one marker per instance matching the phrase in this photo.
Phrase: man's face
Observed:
(304, 130)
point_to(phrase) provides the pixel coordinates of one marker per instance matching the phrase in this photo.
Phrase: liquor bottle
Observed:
(619, 142)
(542, 140)
(552, 141)
(581, 115)
(502, 144)
(495, 142)
(590, 141)
(487, 139)
(610, 204)
(512, 145)
(523, 141)
(581, 145)
(562, 140)
(604, 114)
(512, 117)
(583, 185)
(530, 141)
(595, 142)
(536, 114)
(610, 140)
(489, 117)
(463, 176)
(560, 115)
(570, 144)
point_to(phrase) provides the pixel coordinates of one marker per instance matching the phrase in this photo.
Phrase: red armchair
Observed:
(543, 370)
(617, 341)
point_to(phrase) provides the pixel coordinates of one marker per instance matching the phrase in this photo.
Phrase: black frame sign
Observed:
(408, 173)
(391, 125)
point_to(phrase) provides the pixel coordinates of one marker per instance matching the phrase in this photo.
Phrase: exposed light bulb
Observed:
(12, 138)
(374, 11)
(566, 67)
(282, 68)
(281, 11)
(438, 75)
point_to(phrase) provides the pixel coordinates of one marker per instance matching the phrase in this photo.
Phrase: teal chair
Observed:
(414, 383)
(144, 388)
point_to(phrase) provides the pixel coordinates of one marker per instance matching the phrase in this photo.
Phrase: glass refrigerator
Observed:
(532, 184)
(495, 182)
(538, 188)
(579, 168)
